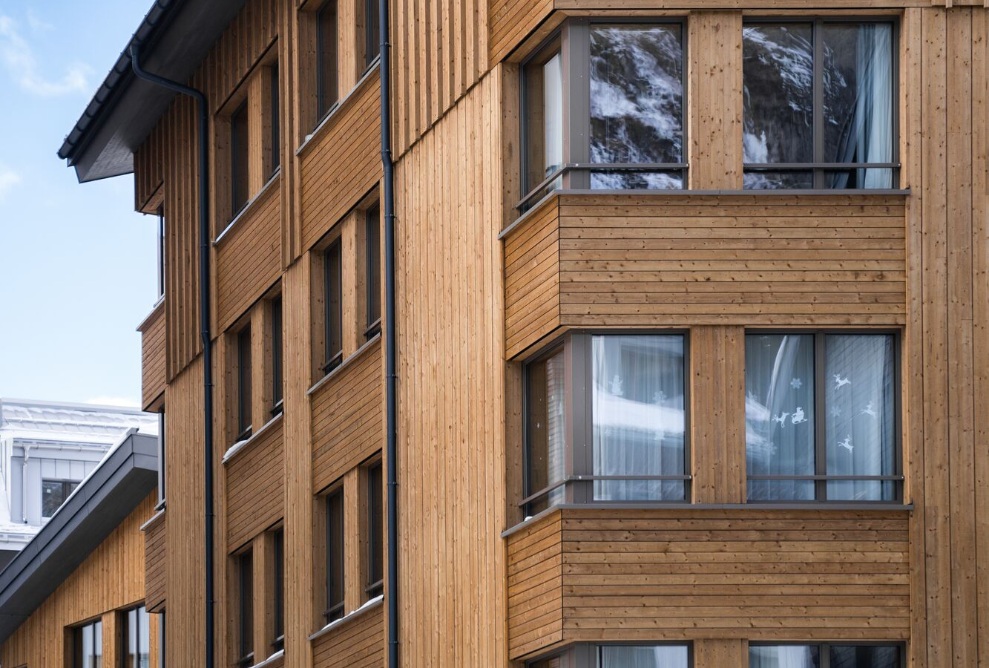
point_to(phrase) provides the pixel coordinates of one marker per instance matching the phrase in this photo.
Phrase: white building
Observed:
(46, 450)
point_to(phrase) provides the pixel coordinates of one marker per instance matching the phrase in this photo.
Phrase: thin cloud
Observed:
(18, 59)
(8, 180)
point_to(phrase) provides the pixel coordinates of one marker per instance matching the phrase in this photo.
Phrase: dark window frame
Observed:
(333, 305)
(130, 619)
(78, 632)
(821, 169)
(161, 458)
(374, 576)
(277, 355)
(823, 647)
(240, 140)
(372, 42)
(245, 608)
(578, 476)
(336, 539)
(160, 243)
(372, 270)
(820, 476)
(243, 383)
(572, 42)
(278, 587)
(327, 60)
(274, 106)
(67, 487)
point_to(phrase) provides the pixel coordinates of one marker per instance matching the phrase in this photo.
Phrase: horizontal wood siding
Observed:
(248, 257)
(357, 642)
(110, 578)
(255, 486)
(342, 161)
(347, 420)
(535, 586)
(698, 573)
(155, 555)
(439, 50)
(153, 356)
(532, 278)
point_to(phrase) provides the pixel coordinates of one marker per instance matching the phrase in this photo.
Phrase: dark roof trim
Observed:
(174, 38)
(95, 509)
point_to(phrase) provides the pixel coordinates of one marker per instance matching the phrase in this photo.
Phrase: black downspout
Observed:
(204, 314)
(391, 443)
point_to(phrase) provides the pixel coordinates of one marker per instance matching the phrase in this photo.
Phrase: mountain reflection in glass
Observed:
(818, 93)
(636, 104)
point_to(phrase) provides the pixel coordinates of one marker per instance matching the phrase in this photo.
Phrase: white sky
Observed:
(77, 265)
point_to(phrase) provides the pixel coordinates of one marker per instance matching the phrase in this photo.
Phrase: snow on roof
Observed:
(78, 423)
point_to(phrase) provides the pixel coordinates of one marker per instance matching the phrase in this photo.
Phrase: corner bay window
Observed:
(603, 109)
(621, 439)
(825, 656)
(819, 99)
(821, 417)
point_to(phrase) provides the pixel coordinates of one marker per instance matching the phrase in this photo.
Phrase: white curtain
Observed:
(638, 415)
(783, 656)
(629, 656)
(553, 118)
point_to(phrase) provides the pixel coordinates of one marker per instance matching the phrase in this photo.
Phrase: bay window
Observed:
(603, 109)
(819, 104)
(605, 420)
(821, 414)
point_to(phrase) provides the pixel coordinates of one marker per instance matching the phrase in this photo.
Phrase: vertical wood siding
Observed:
(451, 421)
(347, 421)
(255, 484)
(248, 257)
(111, 577)
(155, 558)
(153, 356)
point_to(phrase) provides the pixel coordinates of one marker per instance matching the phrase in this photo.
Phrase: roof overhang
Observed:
(174, 38)
(95, 509)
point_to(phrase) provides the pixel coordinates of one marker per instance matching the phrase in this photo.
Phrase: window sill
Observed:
(280, 654)
(157, 517)
(154, 313)
(347, 362)
(368, 606)
(245, 211)
(691, 508)
(240, 446)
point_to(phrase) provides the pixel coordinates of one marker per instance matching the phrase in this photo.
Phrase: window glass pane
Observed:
(131, 638)
(334, 556)
(778, 74)
(372, 31)
(638, 416)
(246, 631)
(275, 121)
(860, 421)
(144, 638)
(865, 656)
(636, 102)
(858, 100)
(545, 424)
(627, 180)
(276, 351)
(98, 644)
(791, 180)
(244, 382)
(544, 117)
(85, 645)
(779, 414)
(326, 63)
(784, 656)
(239, 138)
(333, 286)
(630, 656)
(375, 571)
(372, 226)
(53, 495)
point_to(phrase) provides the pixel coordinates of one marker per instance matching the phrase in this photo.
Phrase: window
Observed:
(333, 292)
(621, 85)
(278, 554)
(274, 119)
(334, 556)
(819, 99)
(372, 242)
(618, 656)
(161, 457)
(161, 251)
(277, 353)
(327, 91)
(245, 612)
(826, 656)
(135, 638)
(821, 414)
(624, 439)
(374, 571)
(54, 493)
(243, 386)
(161, 640)
(87, 645)
(372, 27)
(239, 159)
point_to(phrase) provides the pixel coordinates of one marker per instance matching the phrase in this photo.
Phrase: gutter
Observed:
(204, 315)
(391, 449)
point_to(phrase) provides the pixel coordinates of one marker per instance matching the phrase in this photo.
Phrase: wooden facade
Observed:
(481, 288)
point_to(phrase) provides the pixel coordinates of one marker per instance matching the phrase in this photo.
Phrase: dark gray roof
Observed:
(101, 502)
(175, 37)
